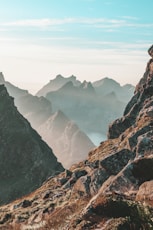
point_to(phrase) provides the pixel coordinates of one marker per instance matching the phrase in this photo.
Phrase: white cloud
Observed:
(105, 23)
(45, 22)
(130, 17)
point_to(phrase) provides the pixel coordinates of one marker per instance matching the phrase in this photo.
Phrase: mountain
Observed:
(38, 111)
(86, 103)
(91, 112)
(107, 85)
(26, 161)
(111, 189)
(12, 90)
(57, 83)
(55, 128)
(70, 144)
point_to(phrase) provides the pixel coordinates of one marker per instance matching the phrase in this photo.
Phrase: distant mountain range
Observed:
(102, 87)
(60, 133)
(92, 106)
(83, 110)
(57, 83)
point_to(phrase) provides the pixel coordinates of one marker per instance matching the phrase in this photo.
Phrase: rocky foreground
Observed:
(111, 190)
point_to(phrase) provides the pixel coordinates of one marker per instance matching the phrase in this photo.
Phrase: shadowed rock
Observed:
(25, 160)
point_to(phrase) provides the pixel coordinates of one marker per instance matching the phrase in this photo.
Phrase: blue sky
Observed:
(91, 39)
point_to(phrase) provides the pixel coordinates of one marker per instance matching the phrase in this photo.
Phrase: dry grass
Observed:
(61, 217)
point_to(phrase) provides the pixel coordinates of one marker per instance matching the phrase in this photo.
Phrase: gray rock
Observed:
(115, 162)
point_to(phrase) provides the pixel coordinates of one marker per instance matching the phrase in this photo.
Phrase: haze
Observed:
(91, 39)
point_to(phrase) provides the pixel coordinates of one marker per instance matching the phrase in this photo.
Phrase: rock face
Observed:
(139, 107)
(111, 189)
(25, 160)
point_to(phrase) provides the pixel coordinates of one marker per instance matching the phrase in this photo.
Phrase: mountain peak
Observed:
(2, 80)
(147, 80)
(106, 82)
(57, 83)
(72, 77)
(59, 76)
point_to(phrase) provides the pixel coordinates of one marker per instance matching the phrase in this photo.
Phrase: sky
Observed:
(90, 39)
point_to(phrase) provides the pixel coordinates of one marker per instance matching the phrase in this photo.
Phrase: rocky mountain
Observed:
(107, 85)
(38, 111)
(90, 111)
(35, 109)
(57, 83)
(112, 189)
(69, 143)
(94, 110)
(12, 90)
(25, 160)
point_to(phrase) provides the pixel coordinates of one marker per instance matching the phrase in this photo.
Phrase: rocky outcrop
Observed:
(137, 106)
(25, 160)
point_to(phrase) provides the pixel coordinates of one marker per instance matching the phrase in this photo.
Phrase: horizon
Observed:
(91, 39)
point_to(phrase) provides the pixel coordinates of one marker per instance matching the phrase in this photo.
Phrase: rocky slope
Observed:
(110, 190)
(25, 160)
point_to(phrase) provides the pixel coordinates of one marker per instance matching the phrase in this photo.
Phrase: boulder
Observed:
(145, 193)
